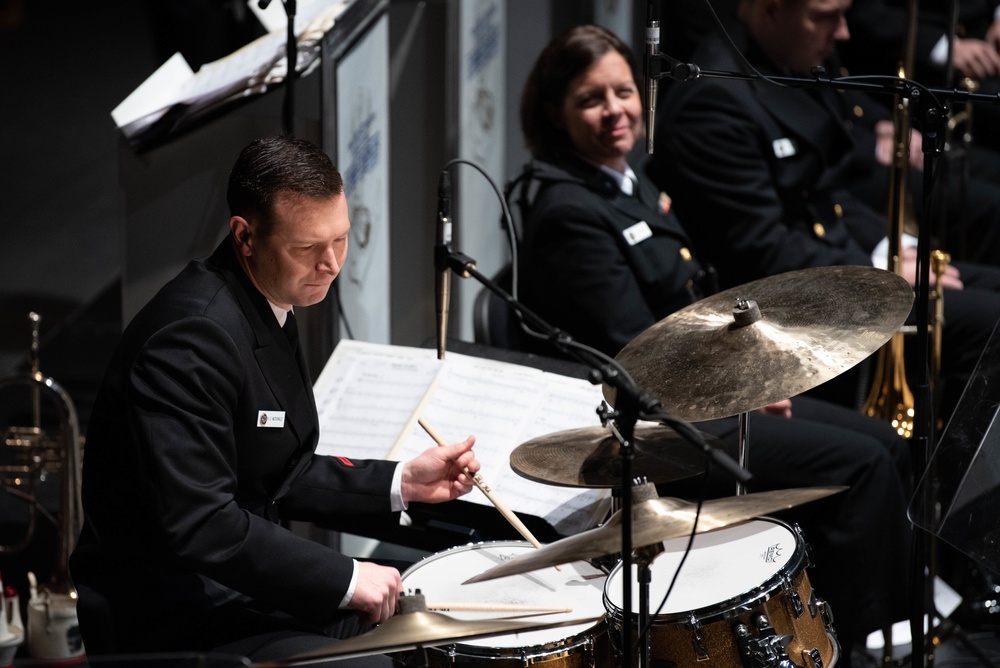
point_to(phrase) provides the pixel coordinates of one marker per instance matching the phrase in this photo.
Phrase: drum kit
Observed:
(729, 585)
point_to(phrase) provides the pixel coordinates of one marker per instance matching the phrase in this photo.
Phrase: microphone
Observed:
(442, 249)
(651, 68)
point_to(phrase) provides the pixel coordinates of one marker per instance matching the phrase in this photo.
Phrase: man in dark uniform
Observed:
(759, 173)
(203, 437)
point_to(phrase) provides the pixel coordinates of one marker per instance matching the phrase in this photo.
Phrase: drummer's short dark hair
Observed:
(279, 165)
(566, 57)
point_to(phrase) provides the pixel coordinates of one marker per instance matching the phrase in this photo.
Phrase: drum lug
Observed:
(765, 651)
(811, 658)
(826, 611)
(805, 545)
(699, 647)
(794, 602)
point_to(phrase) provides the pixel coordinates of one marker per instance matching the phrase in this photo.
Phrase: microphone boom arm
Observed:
(633, 402)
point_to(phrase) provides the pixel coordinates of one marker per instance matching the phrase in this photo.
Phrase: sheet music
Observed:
(367, 394)
(369, 397)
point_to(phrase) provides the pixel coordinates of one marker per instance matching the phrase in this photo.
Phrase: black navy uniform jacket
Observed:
(183, 487)
(758, 172)
(603, 265)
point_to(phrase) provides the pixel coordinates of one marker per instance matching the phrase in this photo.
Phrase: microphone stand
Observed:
(631, 404)
(291, 54)
(931, 107)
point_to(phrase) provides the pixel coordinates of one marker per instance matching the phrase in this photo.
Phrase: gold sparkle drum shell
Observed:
(742, 598)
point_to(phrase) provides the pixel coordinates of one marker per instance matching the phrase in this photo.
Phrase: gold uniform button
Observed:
(858, 111)
(819, 230)
(685, 254)
(838, 211)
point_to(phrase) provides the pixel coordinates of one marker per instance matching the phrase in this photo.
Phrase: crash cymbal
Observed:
(418, 629)
(654, 521)
(714, 359)
(591, 457)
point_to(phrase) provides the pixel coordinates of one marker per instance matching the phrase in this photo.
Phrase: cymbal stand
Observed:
(743, 452)
(631, 403)
(643, 559)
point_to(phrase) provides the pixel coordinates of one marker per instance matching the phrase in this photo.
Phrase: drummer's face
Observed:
(602, 112)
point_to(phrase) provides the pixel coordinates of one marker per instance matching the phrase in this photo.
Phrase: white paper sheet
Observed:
(369, 397)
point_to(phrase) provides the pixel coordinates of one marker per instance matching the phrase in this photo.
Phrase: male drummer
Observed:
(203, 438)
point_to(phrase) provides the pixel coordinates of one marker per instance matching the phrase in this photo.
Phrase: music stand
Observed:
(967, 463)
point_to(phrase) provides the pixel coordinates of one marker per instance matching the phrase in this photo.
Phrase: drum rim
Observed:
(538, 650)
(735, 605)
(551, 650)
(463, 548)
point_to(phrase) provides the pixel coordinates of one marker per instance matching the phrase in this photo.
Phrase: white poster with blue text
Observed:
(482, 100)
(363, 158)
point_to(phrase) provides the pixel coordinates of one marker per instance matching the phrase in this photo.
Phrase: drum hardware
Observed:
(813, 602)
(643, 557)
(766, 649)
(812, 658)
(694, 626)
(793, 601)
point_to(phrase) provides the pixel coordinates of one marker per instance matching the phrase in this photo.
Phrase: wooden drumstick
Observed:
(494, 607)
(485, 489)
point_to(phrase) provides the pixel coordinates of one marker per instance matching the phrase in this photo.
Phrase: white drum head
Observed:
(578, 586)
(723, 565)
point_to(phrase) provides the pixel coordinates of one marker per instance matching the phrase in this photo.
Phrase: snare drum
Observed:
(577, 586)
(742, 595)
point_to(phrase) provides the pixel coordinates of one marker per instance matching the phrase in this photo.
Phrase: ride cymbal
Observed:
(591, 457)
(654, 521)
(766, 340)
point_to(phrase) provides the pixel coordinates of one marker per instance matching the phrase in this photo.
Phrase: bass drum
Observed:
(577, 586)
(742, 599)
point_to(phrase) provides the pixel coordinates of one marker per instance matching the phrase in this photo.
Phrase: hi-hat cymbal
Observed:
(418, 629)
(714, 359)
(591, 457)
(654, 521)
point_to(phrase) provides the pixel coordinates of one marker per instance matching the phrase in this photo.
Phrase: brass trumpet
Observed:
(38, 454)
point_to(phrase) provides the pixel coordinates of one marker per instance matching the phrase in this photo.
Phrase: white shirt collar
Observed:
(627, 181)
(279, 313)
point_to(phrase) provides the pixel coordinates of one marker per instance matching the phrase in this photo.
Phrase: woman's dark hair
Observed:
(279, 165)
(566, 57)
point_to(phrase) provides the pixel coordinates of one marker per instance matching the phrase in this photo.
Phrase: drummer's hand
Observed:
(376, 592)
(951, 279)
(780, 408)
(436, 474)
